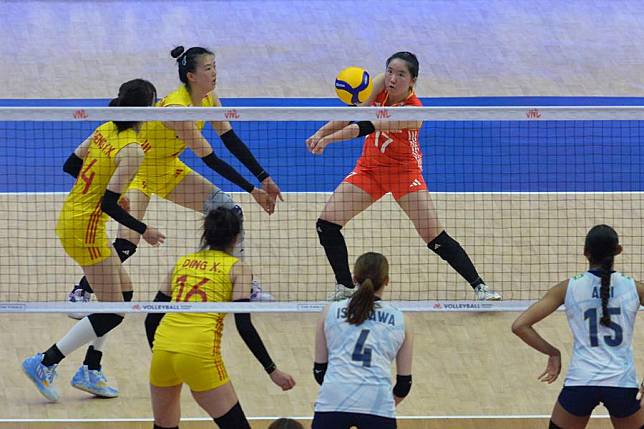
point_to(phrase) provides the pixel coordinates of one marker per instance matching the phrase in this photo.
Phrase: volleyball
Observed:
(353, 85)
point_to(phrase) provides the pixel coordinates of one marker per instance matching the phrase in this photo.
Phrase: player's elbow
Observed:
(518, 328)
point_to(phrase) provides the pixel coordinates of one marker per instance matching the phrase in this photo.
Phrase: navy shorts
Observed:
(581, 400)
(335, 420)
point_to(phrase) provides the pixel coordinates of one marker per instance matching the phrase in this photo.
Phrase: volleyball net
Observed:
(517, 187)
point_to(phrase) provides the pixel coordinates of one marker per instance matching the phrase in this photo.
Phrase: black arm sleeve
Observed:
(110, 205)
(243, 154)
(152, 320)
(227, 172)
(253, 341)
(73, 165)
(319, 370)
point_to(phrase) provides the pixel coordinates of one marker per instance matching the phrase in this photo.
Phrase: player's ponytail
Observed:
(133, 93)
(188, 61)
(220, 229)
(601, 246)
(371, 272)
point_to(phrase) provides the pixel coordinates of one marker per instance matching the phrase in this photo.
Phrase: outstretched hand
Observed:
(264, 200)
(271, 188)
(316, 144)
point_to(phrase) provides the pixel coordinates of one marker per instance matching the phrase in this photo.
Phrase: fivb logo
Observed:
(231, 114)
(382, 114)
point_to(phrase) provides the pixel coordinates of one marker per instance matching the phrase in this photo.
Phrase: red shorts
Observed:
(379, 181)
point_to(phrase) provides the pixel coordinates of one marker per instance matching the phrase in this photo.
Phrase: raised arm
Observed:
(190, 134)
(239, 149)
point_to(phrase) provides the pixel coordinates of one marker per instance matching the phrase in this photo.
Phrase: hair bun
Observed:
(176, 52)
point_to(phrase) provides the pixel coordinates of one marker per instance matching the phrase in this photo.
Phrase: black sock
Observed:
(163, 427)
(233, 419)
(452, 252)
(93, 358)
(52, 356)
(128, 295)
(335, 248)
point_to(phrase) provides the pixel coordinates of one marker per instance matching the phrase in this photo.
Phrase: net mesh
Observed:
(518, 188)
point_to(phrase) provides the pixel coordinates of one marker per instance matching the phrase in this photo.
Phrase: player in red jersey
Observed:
(391, 162)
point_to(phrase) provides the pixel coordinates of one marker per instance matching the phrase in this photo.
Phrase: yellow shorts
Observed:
(84, 238)
(199, 373)
(160, 179)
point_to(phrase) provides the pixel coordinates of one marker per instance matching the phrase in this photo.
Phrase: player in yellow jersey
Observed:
(109, 158)
(186, 346)
(164, 174)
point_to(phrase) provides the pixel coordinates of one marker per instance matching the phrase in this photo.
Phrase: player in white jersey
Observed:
(356, 341)
(601, 306)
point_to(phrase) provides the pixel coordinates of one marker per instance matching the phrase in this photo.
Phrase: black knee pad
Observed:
(444, 246)
(233, 419)
(124, 248)
(128, 295)
(104, 322)
(553, 425)
(329, 233)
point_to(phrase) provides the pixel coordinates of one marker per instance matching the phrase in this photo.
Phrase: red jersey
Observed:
(392, 148)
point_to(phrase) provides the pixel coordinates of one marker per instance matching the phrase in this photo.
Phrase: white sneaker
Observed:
(78, 297)
(341, 292)
(257, 294)
(483, 293)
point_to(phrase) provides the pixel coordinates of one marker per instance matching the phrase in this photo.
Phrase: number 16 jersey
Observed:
(602, 355)
(358, 378)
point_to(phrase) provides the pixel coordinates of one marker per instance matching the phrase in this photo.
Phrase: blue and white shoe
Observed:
(78, 297)
(257, 294)
(42, 376)
(94, 382)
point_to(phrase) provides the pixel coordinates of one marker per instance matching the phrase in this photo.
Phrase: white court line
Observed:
(208, 419)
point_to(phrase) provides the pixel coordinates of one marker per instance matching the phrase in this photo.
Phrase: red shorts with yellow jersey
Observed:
(380, 180)
(83, 236)
(200, 373)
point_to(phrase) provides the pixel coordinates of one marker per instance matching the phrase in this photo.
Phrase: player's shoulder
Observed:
(178, 97)
(413, 100)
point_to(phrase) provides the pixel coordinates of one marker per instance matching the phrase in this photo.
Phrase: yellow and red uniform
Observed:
(187, 346)
(162, 170)
(81, 223)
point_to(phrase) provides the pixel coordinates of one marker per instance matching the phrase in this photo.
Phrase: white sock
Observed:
(99, 343)
(80, 334)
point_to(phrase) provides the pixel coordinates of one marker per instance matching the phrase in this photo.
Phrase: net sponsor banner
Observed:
(272, 307)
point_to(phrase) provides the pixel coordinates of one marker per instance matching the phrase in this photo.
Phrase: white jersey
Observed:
(602, 355)
(358, 378)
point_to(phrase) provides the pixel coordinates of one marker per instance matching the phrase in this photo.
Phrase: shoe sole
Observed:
(36, 383)
(91, 392)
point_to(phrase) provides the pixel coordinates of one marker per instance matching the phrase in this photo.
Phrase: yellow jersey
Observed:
(160, 143)
(198, 277)
(99, 165)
